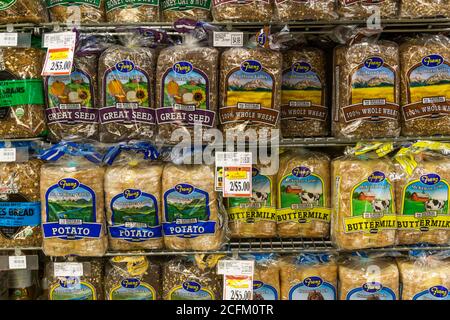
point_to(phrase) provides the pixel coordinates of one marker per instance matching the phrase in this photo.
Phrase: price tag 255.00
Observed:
(237, 181)
(58, 62)
(238, 287)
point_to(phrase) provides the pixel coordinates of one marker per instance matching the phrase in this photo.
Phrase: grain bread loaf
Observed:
(242, 11)
(366, 278)
(304, 111)
(250, 91)
(23, 11)
(186, 90)
(255, 217)
(72, 194)
(83, 11)
(363, 202)
(308, 277)
(126, 76)
(362, 9)
(132, 11)
(413, 9)
(191, 218)
(291, 10)
(133, 205)
(303, 195)
(266, 277)
(21, 111)
(366, 90)
(425, 71)
(173, 10)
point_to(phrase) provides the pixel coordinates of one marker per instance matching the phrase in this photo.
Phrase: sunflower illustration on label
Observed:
(371, 291)
(132, 289)
(428, 84)
(72, 288)
(190, 290)
(301, 197)
(372, 205)
(126, 96)
(425, 204)
(185, 96)
(249, 95)
(438, 292)
(373, 92)
(259, 206)
(302, 94)
(313, 288)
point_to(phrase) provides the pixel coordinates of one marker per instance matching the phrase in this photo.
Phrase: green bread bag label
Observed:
(118, 4)
(21, 92)
(181, 5)
(53, 3)
(5, 4)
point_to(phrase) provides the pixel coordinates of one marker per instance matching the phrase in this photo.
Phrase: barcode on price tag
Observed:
(9, 39)
(68, 269)
(59, 40)
(17, 262)
(234, 173)
(228, 39)
(236, 267)
(8, 155)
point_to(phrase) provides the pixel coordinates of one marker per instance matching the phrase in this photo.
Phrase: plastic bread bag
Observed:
(127, 77)
(133, 193)
(266, 278)
(85, 284)
(82, 11)
(173, 10)
(23, 11)
(303, 194)
(292, 10)
(134, 11)
(368, 277)
(304, 105)
(363, 9)
(242, 11)
(186, 89)
(308, 277)
(192, 278)
(422, 193)
(366, 88)
(363, 192)
(425, 74)
(132, 278)
(425, 276)
(413, 9)
(72, 198)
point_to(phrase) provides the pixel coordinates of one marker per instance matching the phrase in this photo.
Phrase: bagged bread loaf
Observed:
(364, 212)
(423, 194)
(266, 277)
(308, 277)
(81, 11)
(304, 111)
(23, 11)
(250, 91)
(191, 219)
(413, 9)
(303, 195)
(424, 94)
(132, 278)
(72, 197)
(291, 10)
(132, 11)
(425, 277)
(126, 75)
(362, 9)
(188, 278)
(186, 90)
(366, 90)
(133, 198)
(242, 11)
(173, 10)
(22, 96)
(368, 278)
(255, 217)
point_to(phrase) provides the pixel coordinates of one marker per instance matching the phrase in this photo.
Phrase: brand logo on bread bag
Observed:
(433, 60)
(68, 184)
(182, 67)
(251, 66)
(255, 172)
(125, 66)
(192, 286)
(131, 194)
(372, 287)
(430, 179)
(130, 283)
(313, 282)
(376, 177)
(68, 282)
(301, 172)
(373, 63)
(184, 188)
(439, 291)
(257, 284)
(301, 67)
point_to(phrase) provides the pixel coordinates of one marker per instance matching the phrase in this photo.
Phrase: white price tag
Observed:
(238, 287)
(234, 174)
(17, 262)
(236, 267)
(228, 39)
(59, 40)
(60, 52)
(8, 155)
(68, 269)
(9, 39)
